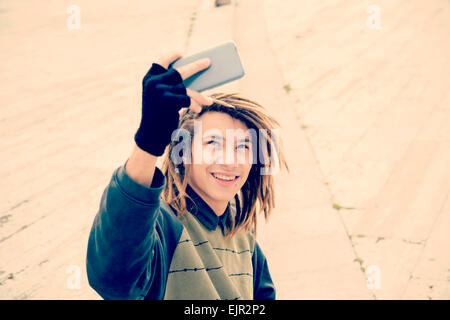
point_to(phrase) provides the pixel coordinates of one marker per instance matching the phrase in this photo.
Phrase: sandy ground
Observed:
(360, 87)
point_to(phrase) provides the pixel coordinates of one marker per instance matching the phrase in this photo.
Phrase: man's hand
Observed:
(163, 95)
(197, 99)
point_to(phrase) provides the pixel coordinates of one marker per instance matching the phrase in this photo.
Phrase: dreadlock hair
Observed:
(257, 193)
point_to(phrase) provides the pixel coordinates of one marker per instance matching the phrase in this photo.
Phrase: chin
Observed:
(227, 197)
(222, 195)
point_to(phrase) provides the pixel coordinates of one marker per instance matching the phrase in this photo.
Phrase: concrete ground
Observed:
(361, 89)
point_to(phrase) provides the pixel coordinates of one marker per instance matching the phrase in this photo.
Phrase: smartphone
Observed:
(225, 67)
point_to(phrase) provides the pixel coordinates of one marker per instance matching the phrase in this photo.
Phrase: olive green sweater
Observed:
(139, 249)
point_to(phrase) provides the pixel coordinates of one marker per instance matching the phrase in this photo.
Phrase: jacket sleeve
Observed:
(263, 287)
(122, 238)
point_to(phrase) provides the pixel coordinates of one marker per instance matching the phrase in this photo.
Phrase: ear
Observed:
(184, 163)
(186, 157)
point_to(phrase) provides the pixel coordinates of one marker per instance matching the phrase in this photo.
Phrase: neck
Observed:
(218, 207)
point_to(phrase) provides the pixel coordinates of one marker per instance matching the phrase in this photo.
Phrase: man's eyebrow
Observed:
(218, 137)
(214, 136)
(247, 139)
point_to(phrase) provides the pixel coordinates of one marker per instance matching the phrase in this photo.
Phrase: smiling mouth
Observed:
(224, 177)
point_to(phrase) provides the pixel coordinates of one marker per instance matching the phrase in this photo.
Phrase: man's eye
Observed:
(212, 142)
(242, 146)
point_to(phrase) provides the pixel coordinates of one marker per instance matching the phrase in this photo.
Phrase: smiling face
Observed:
(222, 157)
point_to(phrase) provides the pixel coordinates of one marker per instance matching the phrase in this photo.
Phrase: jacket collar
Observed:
(207, 217)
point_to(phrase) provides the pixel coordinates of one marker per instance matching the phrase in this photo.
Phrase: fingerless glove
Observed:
(163, 95)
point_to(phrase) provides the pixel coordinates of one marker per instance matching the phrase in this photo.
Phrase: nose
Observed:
(231, 157)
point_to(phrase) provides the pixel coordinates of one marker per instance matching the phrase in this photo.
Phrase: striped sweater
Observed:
(139, 249)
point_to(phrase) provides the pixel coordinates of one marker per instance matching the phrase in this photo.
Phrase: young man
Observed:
(186, 231)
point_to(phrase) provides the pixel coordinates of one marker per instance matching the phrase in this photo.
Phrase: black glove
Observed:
(163, 95)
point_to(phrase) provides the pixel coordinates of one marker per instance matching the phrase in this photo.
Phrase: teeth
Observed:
(222, 177)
